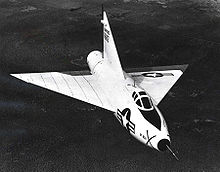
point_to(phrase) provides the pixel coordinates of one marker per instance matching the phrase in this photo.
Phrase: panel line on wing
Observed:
(67, 85)
(43, 80)
(31, 79)
(80, 88)
(93, 90)
(55, 82)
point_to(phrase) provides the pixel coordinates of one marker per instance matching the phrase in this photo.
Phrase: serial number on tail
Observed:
(106, 34)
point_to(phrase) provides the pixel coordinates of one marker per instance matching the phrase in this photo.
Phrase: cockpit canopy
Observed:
(145, 106)
(143, 101)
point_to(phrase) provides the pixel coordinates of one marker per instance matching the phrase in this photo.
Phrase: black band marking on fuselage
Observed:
(149, 139)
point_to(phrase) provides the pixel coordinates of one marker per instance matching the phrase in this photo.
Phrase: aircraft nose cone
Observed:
(162, 144)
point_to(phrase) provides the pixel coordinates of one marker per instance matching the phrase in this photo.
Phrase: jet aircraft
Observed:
(133, 96)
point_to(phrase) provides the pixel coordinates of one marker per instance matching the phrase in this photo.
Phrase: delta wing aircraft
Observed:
(132, 97)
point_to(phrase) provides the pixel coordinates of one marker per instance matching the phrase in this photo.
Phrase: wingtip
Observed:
(184, 67)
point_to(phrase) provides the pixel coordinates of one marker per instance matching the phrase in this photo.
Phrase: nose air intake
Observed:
(162, 145)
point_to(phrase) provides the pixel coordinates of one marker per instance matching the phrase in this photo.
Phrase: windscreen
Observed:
(142, 100)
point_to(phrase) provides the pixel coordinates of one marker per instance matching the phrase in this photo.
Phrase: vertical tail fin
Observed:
(109, 49)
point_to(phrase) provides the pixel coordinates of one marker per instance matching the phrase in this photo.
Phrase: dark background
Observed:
(44, 131)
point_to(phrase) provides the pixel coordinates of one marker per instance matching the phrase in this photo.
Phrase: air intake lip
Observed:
(162, 144)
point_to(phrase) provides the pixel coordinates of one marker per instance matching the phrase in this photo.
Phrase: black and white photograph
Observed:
(110, 85)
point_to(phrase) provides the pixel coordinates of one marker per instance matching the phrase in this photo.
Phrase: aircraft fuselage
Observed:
(146, 125)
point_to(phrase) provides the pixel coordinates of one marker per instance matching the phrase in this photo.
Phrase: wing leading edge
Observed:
(157, 81)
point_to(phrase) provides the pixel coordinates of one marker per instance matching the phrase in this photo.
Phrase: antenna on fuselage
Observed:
(172, 153)
(102, 10)
(102, 31)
